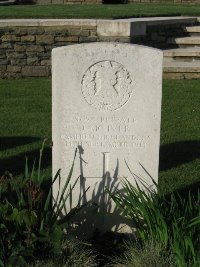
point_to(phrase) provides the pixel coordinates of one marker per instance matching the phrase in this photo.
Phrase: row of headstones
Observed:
(107, 104)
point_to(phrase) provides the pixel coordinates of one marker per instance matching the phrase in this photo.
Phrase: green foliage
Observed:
(170, 220)
(73, 254)
(30, 223)
(151, 254)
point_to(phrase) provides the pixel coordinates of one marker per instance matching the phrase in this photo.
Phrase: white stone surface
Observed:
(107, 28)
(136, 26)
(106, 102)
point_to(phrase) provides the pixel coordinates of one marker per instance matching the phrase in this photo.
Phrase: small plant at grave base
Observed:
(30, 225)
(151, 254)
(173, 221)
(74, 253)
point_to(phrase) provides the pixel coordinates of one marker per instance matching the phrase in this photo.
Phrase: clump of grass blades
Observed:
(74, 253)
(171, 220)
(151, 254)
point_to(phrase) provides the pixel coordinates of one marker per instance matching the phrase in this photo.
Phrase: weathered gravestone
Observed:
(106, 103)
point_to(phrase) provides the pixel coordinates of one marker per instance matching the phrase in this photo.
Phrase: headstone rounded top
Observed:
(106, 85)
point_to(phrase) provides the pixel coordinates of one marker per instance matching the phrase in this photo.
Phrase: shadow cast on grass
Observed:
(8, 142)
(193, 188)
(175, 154)
(16, 164)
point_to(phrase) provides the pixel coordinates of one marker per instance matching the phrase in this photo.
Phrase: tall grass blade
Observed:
(39, 180)
(26, 169)
(67, 181)
(33, 172)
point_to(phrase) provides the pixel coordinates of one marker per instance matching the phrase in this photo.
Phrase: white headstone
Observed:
(106, 103)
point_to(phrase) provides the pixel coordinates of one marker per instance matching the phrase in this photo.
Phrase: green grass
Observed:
(97, 11)
(180, 133)
(25, 108)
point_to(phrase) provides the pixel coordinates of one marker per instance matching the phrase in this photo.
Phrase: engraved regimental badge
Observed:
(107, 85)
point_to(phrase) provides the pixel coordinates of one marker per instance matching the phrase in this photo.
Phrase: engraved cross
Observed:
(105, 163)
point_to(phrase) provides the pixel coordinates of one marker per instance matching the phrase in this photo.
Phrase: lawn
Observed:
(180, 134)
(25, 108)
(98, 11)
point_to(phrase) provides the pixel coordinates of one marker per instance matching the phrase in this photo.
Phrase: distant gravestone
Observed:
(106, 103)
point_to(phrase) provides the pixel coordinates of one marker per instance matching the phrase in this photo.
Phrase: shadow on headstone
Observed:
(100, 212)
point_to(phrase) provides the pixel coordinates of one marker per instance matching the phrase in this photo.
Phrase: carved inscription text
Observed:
(110, 132)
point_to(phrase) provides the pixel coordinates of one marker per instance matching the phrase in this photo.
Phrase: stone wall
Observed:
(26, 50)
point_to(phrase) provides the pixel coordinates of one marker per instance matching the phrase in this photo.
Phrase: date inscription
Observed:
(109, 132)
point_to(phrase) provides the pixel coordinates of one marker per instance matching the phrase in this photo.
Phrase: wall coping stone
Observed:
(46, 22)
(120, 27)
(137, 26)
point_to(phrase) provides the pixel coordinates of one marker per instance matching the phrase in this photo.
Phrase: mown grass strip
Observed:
(98, 11)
